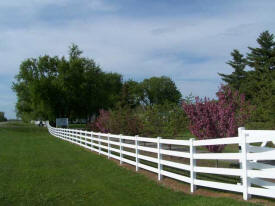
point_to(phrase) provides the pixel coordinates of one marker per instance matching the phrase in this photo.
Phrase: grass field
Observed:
(38, 169)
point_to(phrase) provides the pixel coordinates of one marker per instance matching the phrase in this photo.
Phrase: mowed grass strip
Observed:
(38, 169)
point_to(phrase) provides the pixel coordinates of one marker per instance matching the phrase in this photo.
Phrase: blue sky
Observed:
(189, 41)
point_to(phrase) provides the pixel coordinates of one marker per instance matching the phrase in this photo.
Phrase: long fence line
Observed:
(256, 174)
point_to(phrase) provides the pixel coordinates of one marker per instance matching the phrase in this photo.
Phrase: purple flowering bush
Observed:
(217, 118)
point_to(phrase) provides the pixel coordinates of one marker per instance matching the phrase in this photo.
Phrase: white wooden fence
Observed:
(255, 175)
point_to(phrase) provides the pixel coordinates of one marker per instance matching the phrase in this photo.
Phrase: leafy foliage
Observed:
(168, 120)
(102, 122)
(213, 119)
(121, 121)
(49, 87)
(158, 90)
(152, 91)
(132, 94)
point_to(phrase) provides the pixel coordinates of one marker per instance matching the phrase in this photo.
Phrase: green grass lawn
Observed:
(38, 169)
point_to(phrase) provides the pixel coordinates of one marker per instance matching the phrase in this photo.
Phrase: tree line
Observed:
(76, 87)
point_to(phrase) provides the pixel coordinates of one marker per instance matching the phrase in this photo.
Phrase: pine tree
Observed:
(238, 63)
(263, 58)
(261, 80)
(258, 84)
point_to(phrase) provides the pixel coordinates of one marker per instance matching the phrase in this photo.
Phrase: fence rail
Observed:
(255, 178)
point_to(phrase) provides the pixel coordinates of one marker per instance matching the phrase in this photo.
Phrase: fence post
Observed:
(137, 152)
(108, 145)
(192, 165)
(92, 141)
(99, 145)
(72, 136)
(244, 166)
(79, 137)
(159, 158)
(69, 135)
(65, 134)
(120, 149)
(84, 137)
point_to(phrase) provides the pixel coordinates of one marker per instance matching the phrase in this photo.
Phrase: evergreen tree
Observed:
(238, 63)
(263, 57)
(258, 84)
(261, 80)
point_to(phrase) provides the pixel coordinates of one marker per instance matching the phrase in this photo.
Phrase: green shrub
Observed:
(167, 120)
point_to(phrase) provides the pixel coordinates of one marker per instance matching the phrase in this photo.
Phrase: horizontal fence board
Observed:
(150, 159)
(95, 144)
(217, 156)
(129, 161)
(175, 153)
(261, 192)
(114, 143)
(100, 134)
(218, 141)
(129, 153)
(103, 147)
(175, 165)
(102, 141)
(127, 137)
(114, 156)
(132, 146)
(260, 133)
(219, 171)
(86, 146)
(146, 139)
(104, 153)
(270, 155)
(115, 136)
(149, 168)
(94, 149)
(175, 176)
(114, 150)
(218, 185)
(147, 149)
(175, 142)
(270, 173)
